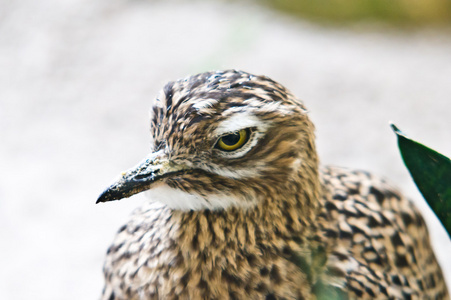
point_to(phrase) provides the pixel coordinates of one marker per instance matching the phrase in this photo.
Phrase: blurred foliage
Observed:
(396, 12)
(431, 172)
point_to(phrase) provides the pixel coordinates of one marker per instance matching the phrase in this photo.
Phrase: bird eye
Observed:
(233, 141)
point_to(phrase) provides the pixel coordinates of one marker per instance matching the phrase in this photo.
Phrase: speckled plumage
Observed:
(264, 221)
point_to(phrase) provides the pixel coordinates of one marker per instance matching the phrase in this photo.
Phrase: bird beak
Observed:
(140, 178)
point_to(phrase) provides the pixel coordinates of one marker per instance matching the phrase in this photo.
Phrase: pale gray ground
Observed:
(77, 78)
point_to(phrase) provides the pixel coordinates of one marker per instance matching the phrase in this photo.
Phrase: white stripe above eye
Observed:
(238, 121)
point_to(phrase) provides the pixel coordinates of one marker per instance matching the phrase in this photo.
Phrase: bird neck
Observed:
(283, 226)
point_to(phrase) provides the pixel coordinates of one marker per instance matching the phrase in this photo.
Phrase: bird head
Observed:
(222, 139)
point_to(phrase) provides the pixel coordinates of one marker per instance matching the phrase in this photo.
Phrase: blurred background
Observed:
(77, 78)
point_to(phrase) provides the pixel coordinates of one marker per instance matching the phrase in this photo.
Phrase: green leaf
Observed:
(431, 172)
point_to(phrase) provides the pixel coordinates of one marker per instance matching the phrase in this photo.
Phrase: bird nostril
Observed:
(150, 175)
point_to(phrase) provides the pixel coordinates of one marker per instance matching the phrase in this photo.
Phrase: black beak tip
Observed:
(100, 199)
(107, 195)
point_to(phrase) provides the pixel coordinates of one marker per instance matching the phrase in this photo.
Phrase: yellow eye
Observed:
(233, 141)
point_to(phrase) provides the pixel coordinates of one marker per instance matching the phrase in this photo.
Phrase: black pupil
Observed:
(231, 139)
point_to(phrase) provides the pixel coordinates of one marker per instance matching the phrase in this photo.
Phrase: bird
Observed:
(240, 207)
